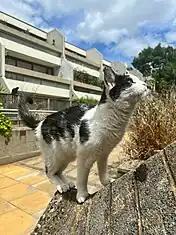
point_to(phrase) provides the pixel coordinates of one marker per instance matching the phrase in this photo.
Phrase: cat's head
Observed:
(126, 87)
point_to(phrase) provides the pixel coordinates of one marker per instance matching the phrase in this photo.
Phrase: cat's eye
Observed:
(130, 81)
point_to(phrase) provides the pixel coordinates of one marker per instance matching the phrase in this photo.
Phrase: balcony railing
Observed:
(42, 106)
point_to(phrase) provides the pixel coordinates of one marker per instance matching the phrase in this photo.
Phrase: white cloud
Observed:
(171, 37)
(130, 47)
(20, 9)
(116, 21)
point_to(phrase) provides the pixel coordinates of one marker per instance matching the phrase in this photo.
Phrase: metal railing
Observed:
(10, 101)
(13, 115)
(42, 107)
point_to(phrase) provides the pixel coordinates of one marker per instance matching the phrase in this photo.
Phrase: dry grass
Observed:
(153, 126)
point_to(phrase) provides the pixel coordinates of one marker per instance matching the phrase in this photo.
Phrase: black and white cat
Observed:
(86, 132)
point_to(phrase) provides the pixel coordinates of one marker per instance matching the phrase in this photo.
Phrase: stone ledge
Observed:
(18, 157)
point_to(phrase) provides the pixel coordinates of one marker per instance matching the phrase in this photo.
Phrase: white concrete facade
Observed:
(35, 56)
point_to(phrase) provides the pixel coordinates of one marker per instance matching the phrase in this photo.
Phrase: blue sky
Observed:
(120, 29)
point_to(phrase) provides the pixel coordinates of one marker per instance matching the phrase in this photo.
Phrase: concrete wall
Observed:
(30, 52)
(22, 25)
(94, 56)
(56, 38)
(66, 70)
(22, 145)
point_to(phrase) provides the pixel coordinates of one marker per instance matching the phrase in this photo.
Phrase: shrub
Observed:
(85, 100)
(153, 126)
(84, 77)
(5, 126)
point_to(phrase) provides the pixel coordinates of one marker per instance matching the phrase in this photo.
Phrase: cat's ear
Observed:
(109, 77)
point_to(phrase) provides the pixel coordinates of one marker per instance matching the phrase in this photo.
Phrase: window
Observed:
(28, 65)
(50, 71)
(24, 64)
(39, 68)
(19, 77)
(10, 61)
(11, 75)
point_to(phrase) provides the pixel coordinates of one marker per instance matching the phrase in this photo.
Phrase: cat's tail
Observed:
(23, 109)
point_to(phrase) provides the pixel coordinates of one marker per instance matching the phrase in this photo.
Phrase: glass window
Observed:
(39, 68)
(10, 61)
(50, 71)
(24, 64)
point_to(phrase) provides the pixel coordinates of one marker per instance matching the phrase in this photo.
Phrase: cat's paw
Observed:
(107, 181)
(81, 197)
(63, 188)
(71, 185)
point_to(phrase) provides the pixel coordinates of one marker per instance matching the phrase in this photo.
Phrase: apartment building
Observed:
(43, 63)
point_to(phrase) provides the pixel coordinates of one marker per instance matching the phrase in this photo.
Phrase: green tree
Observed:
(5, 124)
(160, 63)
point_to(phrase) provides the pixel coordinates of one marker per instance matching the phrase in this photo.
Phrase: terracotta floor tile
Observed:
(38, 214)
(72, 173)
(1, 200)
(5, 182)
(33, 202)
(33, 179)
(15, 222)
(32, 161)
(47, 187)
(15, 191)
(6, 207)
(9, 167)
(35, 162)
(18, 173)
(69, 168)
(93, 177)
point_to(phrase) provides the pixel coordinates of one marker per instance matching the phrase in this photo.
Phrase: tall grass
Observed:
(153, 125)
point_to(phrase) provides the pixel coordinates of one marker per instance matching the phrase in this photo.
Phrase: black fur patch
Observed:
(46, 170)
(122, 82)
(84, 132)
(28, 118)
(56, 125)
(103, 96)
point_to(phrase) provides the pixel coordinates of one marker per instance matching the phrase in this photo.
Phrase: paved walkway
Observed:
(25, 192)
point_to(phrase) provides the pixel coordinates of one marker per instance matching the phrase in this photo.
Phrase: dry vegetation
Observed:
(153, 126)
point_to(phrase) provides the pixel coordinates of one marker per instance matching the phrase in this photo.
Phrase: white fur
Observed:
(107, 123)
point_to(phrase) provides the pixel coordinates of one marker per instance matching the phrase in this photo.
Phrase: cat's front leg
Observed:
(66, 181)
(62, 184)
(102, 164)
(83, 169)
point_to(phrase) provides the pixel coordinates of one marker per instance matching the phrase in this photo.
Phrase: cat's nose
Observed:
(148, 86)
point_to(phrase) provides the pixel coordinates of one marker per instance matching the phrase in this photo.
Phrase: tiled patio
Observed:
(21, 201)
